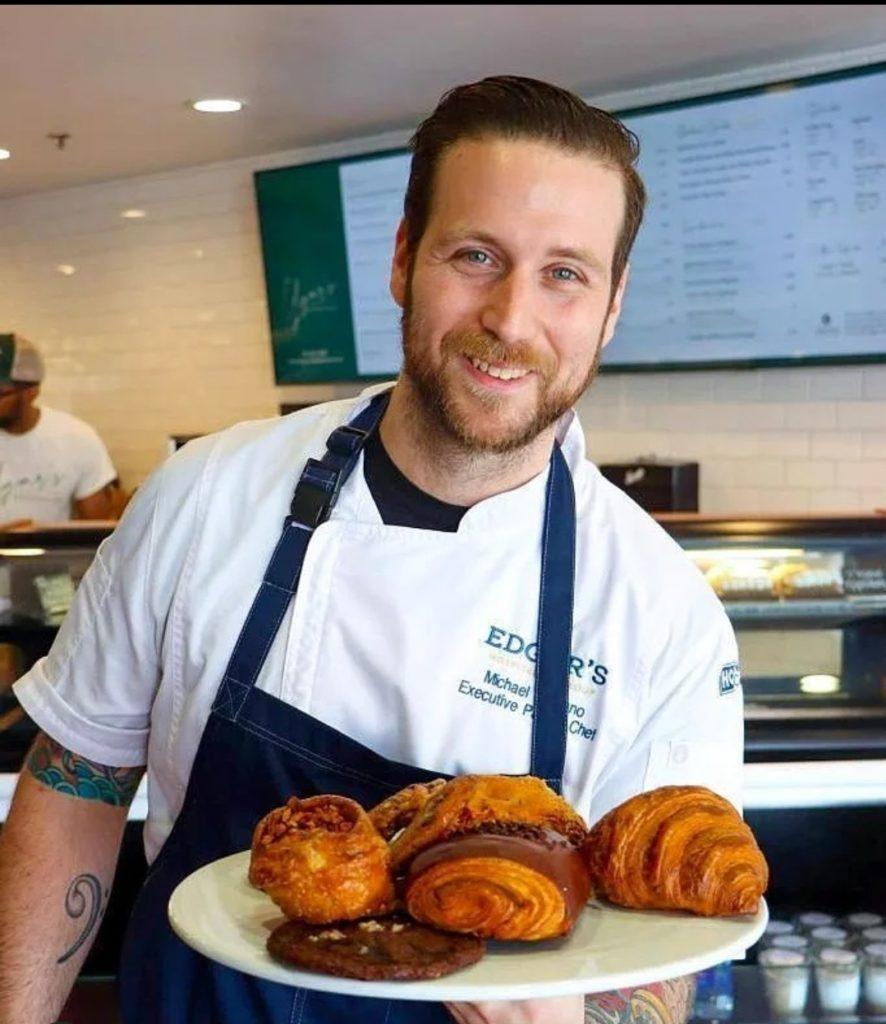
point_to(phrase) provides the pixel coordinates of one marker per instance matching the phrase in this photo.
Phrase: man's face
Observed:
(506, 303)
(15, 400)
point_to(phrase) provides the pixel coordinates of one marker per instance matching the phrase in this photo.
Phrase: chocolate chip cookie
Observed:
(376, 949)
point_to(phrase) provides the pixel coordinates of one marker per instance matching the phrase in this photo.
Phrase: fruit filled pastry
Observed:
(677, 848)
(398, 810)
(322, 860)
(507, 881)
(467, 802)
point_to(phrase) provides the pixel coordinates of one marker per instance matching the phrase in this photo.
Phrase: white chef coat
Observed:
(43, 470)
(418, 644)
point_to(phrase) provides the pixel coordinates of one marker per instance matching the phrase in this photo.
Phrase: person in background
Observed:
(53, 466)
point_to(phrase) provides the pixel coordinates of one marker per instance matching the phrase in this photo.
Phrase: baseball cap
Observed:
(20, 362)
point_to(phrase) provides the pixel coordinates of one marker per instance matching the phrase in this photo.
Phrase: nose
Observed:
(508, 313)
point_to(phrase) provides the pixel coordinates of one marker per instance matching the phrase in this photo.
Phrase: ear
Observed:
(615, 307)
(400, 266)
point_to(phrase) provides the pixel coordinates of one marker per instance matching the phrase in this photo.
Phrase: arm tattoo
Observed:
(66, 772)
(665, 1002)
(84, 896)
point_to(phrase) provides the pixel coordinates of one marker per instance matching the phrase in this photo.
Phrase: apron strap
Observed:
(315, 495)
(552, 666)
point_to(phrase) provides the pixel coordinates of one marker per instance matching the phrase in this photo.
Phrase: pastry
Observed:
(322, 860)
(677, 848)
(469, 801)
(391, 949)
(507, 881)
(745, 583)
(798, 580)
(398, 810)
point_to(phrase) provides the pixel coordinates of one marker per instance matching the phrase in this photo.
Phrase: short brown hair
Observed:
(511, 107)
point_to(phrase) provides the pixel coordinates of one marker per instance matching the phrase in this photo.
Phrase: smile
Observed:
(499, 372)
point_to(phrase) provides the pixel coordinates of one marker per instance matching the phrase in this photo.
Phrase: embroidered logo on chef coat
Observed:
(730, 678)
(513, 643)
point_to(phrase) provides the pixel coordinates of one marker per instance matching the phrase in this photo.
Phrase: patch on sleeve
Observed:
(730, 678)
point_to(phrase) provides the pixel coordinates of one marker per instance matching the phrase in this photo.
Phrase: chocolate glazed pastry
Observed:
(507, 881)
(322, 860)
(470, 801)
(677, 848)
(392, 949)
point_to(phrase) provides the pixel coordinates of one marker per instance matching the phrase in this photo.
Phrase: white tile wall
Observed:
(162, 329)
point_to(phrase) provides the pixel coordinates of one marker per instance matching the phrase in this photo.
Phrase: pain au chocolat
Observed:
(506, 881)
(677, 848)
(322, 860)
(494, 856)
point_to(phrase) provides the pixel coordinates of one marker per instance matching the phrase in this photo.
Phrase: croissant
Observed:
(509, 882)
(322, 860)
(398, 810)
(677, 848)
(468, 801)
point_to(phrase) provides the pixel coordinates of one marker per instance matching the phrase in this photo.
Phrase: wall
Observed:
(162, 329)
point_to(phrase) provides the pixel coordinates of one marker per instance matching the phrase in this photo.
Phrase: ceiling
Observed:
(117, 78)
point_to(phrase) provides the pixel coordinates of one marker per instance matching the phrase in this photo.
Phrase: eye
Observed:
(565, 274)
(476, 257)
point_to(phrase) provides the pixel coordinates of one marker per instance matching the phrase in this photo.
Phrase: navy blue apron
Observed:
(256, 751)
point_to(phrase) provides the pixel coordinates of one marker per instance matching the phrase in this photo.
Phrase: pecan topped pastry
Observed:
(322, 860)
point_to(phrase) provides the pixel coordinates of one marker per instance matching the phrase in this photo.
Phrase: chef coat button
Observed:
(679, 753)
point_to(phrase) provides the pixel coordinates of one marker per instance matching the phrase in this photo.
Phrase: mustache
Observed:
(476, 345)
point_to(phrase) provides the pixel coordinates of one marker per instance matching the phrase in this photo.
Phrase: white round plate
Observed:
(217, 912)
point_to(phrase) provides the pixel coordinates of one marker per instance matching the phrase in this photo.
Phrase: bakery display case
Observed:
(807, 599)
(40, 568)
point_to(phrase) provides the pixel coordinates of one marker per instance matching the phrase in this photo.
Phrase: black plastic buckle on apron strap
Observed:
(318, 488)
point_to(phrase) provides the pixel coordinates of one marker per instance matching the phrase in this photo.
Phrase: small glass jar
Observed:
(858, 922)
(795, 943)
(829, 935)
(774, 928)
(872, 936)
(838, 980)
(874, 973)
(786, 977)
(814, 919)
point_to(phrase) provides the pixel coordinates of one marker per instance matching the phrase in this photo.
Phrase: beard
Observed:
(486, 421)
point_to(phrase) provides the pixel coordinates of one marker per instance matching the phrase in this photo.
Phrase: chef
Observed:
(430, 579)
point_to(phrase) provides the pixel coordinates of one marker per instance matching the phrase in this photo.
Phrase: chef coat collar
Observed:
(505, 510)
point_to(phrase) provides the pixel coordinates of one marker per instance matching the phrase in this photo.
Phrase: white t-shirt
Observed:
(43, 471)
(418, 644)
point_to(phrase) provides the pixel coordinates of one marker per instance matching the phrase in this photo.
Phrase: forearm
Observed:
(664, 1002)
(58, 851)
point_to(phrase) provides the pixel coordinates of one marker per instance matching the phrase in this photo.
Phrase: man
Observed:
(53, 466)
(463, 550)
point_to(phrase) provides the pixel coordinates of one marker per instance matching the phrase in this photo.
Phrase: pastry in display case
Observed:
(807, 599)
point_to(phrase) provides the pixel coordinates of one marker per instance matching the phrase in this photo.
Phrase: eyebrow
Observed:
(582, 256)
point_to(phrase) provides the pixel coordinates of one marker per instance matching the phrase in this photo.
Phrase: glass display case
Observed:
(807, 599)
(40, 568)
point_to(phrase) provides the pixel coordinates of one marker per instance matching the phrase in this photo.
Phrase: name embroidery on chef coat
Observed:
(512, 690)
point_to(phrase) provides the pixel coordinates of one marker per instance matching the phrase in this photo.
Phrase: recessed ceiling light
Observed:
(217, 106)
(5, 154)
(66, 269)
(134, 214)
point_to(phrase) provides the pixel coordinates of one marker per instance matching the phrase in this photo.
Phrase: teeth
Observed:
(500, 372)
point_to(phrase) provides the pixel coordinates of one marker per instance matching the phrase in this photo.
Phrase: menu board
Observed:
(764, 239)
